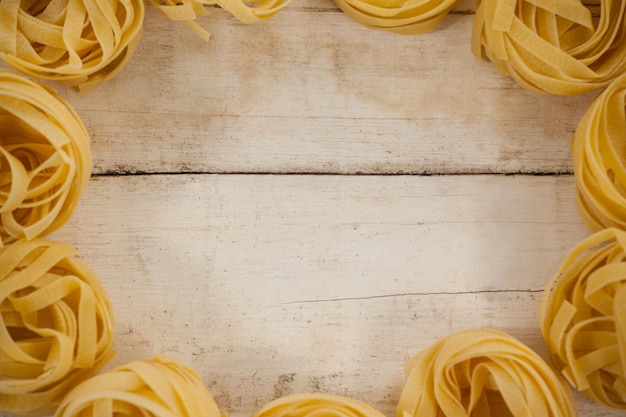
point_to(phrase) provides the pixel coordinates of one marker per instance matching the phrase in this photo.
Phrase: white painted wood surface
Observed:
(228, 221)
(271, 284)
(312, 91)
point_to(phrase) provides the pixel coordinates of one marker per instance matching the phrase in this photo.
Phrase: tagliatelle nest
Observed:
(73, 42)
(406, 17)
(553, 46)
(45, 159)
(599, 158)
(482, 373)
(316, 404)
(246, 11)
(56, 325)
(157, 387)
(583, 317)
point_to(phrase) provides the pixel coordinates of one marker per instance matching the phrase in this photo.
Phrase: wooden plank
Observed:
(269, 285)
(397, 230)
(272, 284)
(311, 91)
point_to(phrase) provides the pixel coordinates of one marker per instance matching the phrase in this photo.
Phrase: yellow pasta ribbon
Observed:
(599, 158)
(560, 47)
(73, 42)
(406, 17)
(158, 387)
(246, 11)
(45, 159)
(316, 404)
(56, 325)
(482, 373)
(583, 317)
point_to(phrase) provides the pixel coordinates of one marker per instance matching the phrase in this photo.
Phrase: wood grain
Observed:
(312, 91)
(302, 204)
(272, 284)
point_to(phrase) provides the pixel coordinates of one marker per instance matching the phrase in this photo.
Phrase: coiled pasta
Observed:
(158, 387)
(599, 159)
(583, 317)
(73, 42)
(482, 373)
(553, 46)
(45, 159)
(56, 325)
(316, 404)
(189, 10)
(406, 17)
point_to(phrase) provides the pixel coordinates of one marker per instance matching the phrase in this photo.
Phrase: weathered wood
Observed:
(312, 91)
(269, 285)
(507, 233)
(273, 284)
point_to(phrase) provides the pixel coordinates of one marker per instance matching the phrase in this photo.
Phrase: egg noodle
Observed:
(599, 159)
(74, 42)
(157, 387)
(315, 405)
(406, 17)
(483, 373)
(583, 317)
(188, 10)
(561, 47)
(45, 159)
(56, 325)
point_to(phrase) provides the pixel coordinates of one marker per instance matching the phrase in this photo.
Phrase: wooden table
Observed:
(302, 204)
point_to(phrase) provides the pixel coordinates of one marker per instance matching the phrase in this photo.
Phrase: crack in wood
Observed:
(413, 294)
(123, 172)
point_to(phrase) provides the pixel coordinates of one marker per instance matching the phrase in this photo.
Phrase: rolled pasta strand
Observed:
(583, 317)
(553, 46)
(56, 325)
(482, 372)
(45, 159)
(77, 43)
(252, 12)
(246, 11)
(159, 387)
(406, 17)
(600, 161)
(316, 404)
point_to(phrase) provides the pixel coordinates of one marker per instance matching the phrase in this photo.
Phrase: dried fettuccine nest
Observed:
(406, 17)
(56, 325)
(73, 42)
(157, 387)
(583, 317)
(316, 404)
(482, 373)
(600, 161)
(561, 47)
(246, 11)
(45, 159)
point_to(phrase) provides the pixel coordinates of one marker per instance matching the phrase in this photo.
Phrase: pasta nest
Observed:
(157, 387)
(73, 42)
(599, 159)
(583, 317)
(482, 373)
(316, 404)
(189, 10)
(45, 159)
(56, 325)
(553, 46)
(406, 17)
